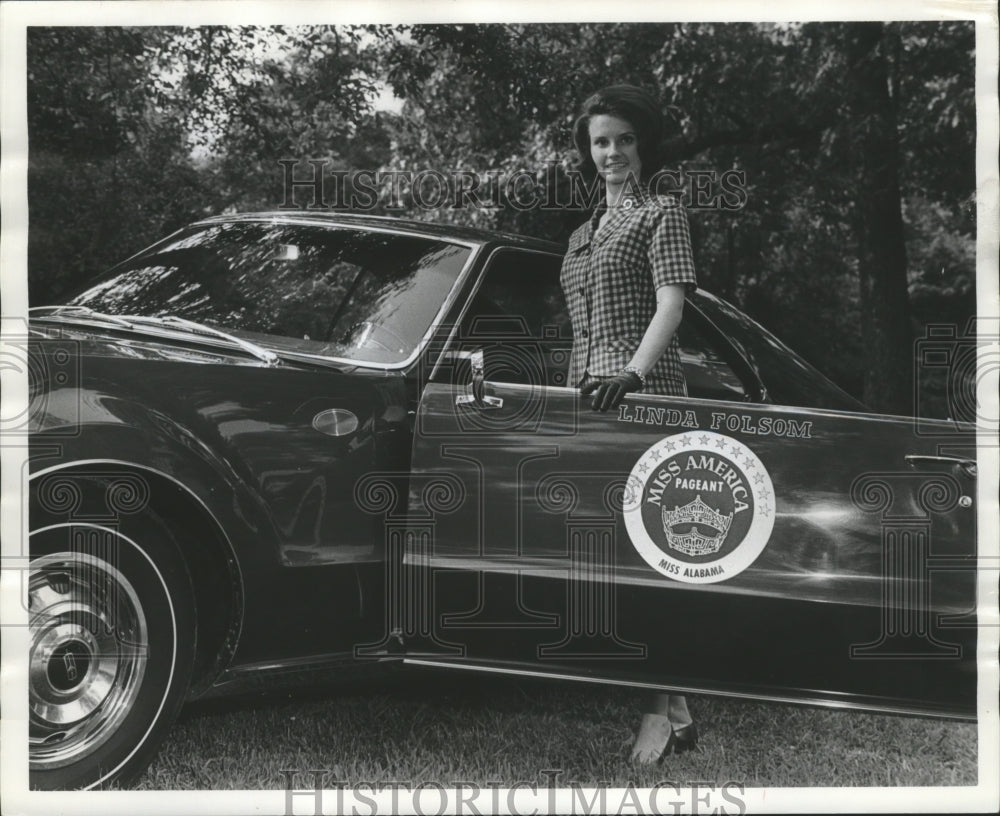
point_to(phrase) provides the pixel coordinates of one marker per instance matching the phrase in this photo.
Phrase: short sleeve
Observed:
(670, 257)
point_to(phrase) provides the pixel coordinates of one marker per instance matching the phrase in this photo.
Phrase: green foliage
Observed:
(942, 262)
(134, 131)
(778, 102)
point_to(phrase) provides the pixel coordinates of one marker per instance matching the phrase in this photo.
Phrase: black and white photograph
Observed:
(440, 408)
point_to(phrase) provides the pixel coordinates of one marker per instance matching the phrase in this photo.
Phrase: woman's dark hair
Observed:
(636, 106)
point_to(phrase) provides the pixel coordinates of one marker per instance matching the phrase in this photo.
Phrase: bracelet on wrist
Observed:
(638, 373)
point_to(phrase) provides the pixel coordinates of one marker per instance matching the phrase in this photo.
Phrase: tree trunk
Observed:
(885, 304)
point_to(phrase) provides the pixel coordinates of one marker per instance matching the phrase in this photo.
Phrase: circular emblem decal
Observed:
(699, 507)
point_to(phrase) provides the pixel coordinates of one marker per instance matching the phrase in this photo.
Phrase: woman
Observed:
(625, 275)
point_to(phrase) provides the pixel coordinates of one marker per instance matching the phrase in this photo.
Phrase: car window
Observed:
(369, 296)
(519, 318)
(790, 380)
(707, 374)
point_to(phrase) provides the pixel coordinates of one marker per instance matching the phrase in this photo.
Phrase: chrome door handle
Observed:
(478, 398)
(483, 403)
(967, 466)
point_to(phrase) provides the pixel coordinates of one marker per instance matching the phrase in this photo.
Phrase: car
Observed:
(289, 446)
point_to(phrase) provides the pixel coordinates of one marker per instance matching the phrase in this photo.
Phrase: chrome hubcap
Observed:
(87, 658)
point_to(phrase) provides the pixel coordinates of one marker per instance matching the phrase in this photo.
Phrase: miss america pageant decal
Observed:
(699, 507)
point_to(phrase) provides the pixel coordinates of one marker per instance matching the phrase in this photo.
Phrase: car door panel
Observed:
(864, 555)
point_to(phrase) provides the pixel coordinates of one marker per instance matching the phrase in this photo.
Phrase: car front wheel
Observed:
(111, 618)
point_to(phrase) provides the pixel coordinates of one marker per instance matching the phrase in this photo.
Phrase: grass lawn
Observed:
(425, 725)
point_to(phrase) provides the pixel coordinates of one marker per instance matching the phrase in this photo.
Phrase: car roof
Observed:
(436, 230)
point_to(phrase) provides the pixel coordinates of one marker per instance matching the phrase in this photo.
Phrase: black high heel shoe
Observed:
(681, 740)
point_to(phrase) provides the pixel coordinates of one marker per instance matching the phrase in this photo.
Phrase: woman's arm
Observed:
(669, 309)
(666, 319)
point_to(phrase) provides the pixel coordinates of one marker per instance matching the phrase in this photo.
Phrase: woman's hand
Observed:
(609, 393)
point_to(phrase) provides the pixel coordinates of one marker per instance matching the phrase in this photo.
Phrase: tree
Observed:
(134, 132)
(856, 142)
(881, 250)
(826, 120)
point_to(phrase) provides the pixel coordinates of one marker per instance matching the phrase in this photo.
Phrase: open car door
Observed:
(706, 544)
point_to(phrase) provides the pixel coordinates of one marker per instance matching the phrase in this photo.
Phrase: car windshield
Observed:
(339, 292)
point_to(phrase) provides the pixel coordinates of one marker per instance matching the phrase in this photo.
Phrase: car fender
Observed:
(162, 457)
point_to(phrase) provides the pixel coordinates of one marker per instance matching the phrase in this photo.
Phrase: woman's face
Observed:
(614, 147)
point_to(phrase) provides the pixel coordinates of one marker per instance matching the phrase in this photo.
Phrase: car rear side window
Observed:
(706, 372)
(364, 295)
(790, 380)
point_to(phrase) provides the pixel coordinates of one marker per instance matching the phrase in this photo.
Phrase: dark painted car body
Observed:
(335, 513)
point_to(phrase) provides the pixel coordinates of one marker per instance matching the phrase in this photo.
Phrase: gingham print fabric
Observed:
(610, 280)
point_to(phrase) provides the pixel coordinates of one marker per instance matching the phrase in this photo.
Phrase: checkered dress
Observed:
(610, 278)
